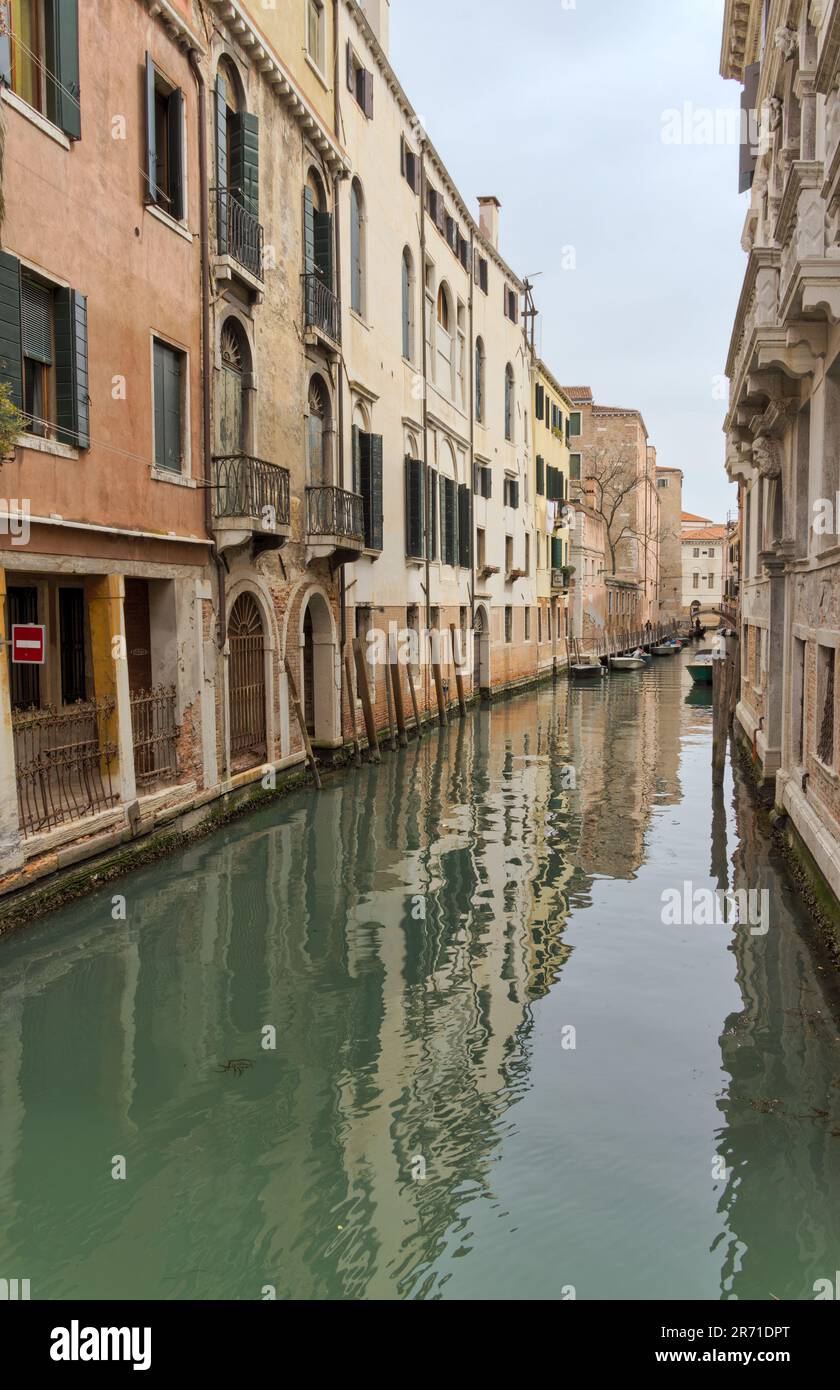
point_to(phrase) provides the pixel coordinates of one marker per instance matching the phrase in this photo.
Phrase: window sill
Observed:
(47, 446)
(310, 62)
(35, 118)
(172, 222)
(831, 773)
(165, 475)
(370, 553)
(362, 322)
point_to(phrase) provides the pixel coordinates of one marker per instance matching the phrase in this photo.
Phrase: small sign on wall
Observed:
(29, 644)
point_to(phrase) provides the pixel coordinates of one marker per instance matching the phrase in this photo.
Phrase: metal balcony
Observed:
(335, 523)
(240, 235)
(251, 501)
(321, 310)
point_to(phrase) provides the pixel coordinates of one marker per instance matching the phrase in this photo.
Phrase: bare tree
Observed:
(615, 480)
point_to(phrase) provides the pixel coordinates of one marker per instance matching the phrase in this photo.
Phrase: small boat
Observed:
(588, 670)
(701, 666)
(627, 663)
(665, 649)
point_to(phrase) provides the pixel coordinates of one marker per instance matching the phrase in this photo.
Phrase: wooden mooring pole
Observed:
(441, 702)
(396, 686)
(367, 707)
(351, 700)
(720, 718)
(413, 694)
(310, 756)
(459, 679)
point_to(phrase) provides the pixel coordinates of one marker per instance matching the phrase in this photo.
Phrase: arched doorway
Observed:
(481, 649)
(234, 381)
(247, 684)
(318, 671)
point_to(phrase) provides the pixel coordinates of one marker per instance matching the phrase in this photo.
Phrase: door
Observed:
(247, 684)
(309, 675)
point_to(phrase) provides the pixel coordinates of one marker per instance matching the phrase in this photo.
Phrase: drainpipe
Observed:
(206, 418)
(426, 480)
(342, 582)
(471, 479)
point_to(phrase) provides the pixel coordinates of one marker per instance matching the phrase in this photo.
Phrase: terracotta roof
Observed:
(581, 395)
(703, 533)
(691, 516)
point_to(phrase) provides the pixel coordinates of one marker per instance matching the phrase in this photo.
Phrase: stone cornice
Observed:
(801, 174)
(760, 257)
(245, 33)
(175, 25)
(826, 74)
(741, 36)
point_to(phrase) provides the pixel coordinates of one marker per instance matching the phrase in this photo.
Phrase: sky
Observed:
(601, 126)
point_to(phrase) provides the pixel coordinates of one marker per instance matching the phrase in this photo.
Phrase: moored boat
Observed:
(665, 649)
(700, 667)
(627, 663)
(587, 670)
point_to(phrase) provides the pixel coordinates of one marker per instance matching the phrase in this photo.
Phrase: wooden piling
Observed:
(441, 702)
(719, 720)
(351, 700)
(310, 756)
(459, 679)
(367, 706)
(392, 741)
(396, 686)
(413, 694)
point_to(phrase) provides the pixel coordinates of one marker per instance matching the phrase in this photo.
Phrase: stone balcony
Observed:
(250, 502)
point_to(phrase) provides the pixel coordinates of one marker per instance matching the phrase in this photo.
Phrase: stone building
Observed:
(669, 483)
(782, 424)
(704, 561)
(551, 422)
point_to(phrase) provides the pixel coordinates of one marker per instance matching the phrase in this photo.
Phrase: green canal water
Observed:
(497, 1073)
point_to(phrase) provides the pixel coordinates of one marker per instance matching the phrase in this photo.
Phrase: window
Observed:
(318, 455)
(695, 581)
(480, 365)
(483, 481)
(39, 59)
(443, 309)
(696, 552)
(357, 248)
(317, 240)
(367, 479)
(511, 492)
(711, 581)
(409, 166)
(237, 171)
(508, 554)
(71, 628)
(407, 306)
(511, 306)
(448, 521)
(574, 467)
(315, 40)
(540, 476)
(527, 560)
(481, 273)
(825, 705)
(527, 624)
(168, 387)
(662, 482)
(508, 624)
(480, 548)
(24, 681)
(574, 423)
(164, 143)
(360, 82)
(509, 403)
(43, 328)
(415, 509)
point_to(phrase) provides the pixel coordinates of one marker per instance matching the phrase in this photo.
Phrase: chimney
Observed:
(489, 220)
(378, 15)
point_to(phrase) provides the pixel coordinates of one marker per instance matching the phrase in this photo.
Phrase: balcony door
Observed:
(232, 387)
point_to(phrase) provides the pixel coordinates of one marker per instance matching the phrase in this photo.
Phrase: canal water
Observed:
(496, 1071)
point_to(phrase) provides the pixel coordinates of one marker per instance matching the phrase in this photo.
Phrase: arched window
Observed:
(407, 305)
(357, 248)
(317, 230)
(443, 309)
(318, 459)
(509, 403)
(234, 384)
(479, 380)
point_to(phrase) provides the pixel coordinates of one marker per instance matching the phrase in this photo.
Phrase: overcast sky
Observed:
(559, 109)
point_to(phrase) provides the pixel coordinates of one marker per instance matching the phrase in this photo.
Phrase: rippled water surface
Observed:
(463, 957)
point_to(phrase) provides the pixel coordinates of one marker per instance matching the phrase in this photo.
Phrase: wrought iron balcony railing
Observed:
(250, 487)
(240, 235)
(63, 761)
(155, 731)
(331, 511)
(321, 308)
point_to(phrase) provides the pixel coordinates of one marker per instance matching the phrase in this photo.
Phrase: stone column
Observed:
(11, 852)
(105, 598)
(774, 703)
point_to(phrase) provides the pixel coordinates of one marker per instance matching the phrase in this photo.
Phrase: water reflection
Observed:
(418, 937)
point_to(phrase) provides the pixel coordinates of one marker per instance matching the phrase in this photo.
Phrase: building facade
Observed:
(551, 424)
(669, 483)
(781, 427)
(704, 561)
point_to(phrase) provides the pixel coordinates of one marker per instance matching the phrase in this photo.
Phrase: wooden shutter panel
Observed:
(66, 92)
(540, 401)
(176, 154)
(351, 76)
(749, 127)
(167, 393)
(464, 527)
(11, 354)
(151, 137)
(376, 508)
(368, 95)
(71, 369)
(540, 475)
(432, 528)
(245, 158)
(322, 225)
(221, 163)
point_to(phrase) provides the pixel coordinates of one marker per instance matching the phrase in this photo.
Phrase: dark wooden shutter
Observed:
(464, 527)
(138, 639)
(414, 481)
(540, 401)
(449, 513)
(71, 368)
(351, 72)
(221, 163)
(367, 93)
(245, 158)
(540, 476)
(370, 486)
(432, 529)
(65, 92)
(11, 355)
(176, 155)
(323, 247)
(749, 127)
(151, 135)
(484, 281)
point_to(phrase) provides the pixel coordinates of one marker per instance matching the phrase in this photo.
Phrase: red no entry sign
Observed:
(28, 644)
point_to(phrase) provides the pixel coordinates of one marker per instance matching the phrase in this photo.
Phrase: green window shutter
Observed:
(36, 317)
(540, 476)
(556, 552)
(356, 437)
(323, 251)
(151, 135)
(574, 468)
(167, 392)
(221, 163)
(71, 369)
(308, 231)
(448, 551)
(540, 401)
(414, 481)
(375, 486)
(62, 42)
(367, 95)
(11, 354)
(176, 155)
(245, 160)
(464, 527)
(432, 537)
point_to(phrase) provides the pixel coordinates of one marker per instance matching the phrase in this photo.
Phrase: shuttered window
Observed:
(164, 143)
(574, 467)
(37, 321)
(39, 59)
(483, 481)
(414, 507)
(511, 497)
(448, 521)
(540, 476)
(168, 373)
(540, 402)
(71, 628)
(370, 486)
(464, 527)
(432, 536)
(245, 159)
(71, 368)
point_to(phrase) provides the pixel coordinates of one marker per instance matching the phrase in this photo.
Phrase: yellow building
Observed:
(552, 421)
